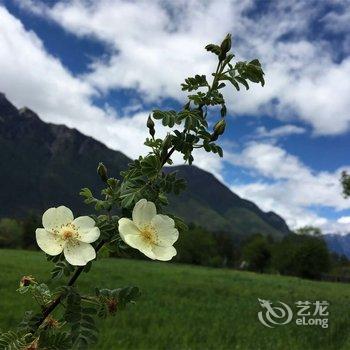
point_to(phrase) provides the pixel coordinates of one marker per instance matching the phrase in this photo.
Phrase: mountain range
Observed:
(46, 165)
(338, 243)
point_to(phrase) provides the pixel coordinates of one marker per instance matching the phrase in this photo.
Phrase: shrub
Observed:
(11, 233)
(303, 256)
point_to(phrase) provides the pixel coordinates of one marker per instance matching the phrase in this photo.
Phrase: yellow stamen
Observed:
(148, 234)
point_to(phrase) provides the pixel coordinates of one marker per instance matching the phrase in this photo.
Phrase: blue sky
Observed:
(101, 66)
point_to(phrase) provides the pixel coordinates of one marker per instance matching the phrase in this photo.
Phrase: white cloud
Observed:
(285, 130)
(159, 49)
(275, 198)
(344, 220)
(292, 189)
(338, 21)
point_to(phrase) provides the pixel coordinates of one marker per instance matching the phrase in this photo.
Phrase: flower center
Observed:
(68, 232)
(148, 234)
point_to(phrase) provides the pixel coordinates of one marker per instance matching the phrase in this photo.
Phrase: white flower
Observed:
(62, 232)
(151, 233)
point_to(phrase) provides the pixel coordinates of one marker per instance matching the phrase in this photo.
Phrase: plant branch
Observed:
(70, 283)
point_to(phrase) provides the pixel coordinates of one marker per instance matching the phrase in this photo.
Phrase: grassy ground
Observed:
(186, 307)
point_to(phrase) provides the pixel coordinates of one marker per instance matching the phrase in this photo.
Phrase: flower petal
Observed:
(54, 218)
(143, 213)
(164, 253)
(87, 231)
(89, 236)
(79, 253)
(48, 242)
(139, 243)
(84, 222)
(127, 227)
(165, 229)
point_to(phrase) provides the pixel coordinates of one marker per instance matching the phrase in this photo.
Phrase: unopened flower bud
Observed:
(226, 44)
(102, 171)
(219, 127)
(150, 126)
(225, 47)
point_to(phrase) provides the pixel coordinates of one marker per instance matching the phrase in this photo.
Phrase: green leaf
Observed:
(168, 117)
(243, 82)
(214, 49)
(150, 165)
(54, 340)
(14, 340)
(62, 268)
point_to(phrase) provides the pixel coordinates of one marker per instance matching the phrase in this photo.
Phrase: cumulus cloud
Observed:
(344, 220)
(159, 49)
(281, 131)
(288, 186)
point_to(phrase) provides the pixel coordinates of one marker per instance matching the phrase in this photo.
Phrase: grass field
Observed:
(186, 307)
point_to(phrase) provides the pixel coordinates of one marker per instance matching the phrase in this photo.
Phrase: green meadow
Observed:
(188, 307)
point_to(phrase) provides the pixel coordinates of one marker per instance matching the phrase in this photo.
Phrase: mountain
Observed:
(45, 165)
(338, 243)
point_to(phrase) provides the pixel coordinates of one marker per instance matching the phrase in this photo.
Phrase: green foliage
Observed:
(30, 224)
(309, 230)
(198, 246)
(141, 180)
(110, 301)
(83, 331)
(301, 255)
(13, 340)
(53, 340)
(257, 253)
(29, 322)
(11, 233)
(40, 292)
(62, 268)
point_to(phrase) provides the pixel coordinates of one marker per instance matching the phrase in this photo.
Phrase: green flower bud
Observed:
(150, 122)
(102, 171)
(226, 44)
(225, 47)
(219, 127)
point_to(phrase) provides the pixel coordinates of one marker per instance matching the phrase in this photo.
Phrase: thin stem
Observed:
(57, 301)
(168, 155)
